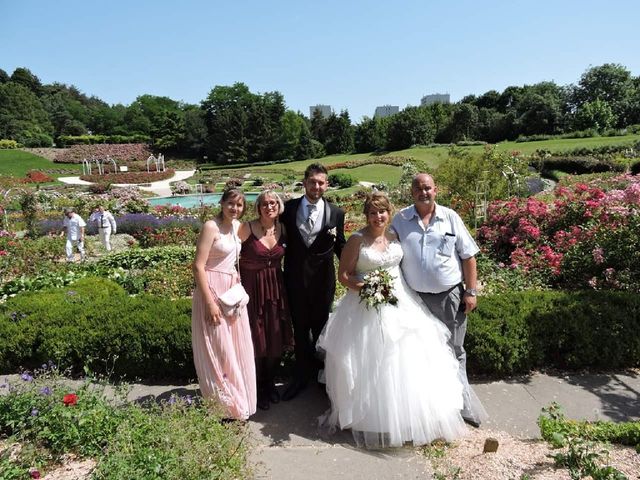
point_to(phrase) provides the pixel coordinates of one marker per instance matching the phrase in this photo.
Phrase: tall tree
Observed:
(22, 116)
(412, 126)
(611, 83)
(24, 77)
(242, 126)
(338, 133)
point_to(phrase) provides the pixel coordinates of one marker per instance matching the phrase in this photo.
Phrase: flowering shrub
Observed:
(386, 160)
(138, 224)
(36, 176)
(149, 237)
(585, 236)
(180, 188)
(28, 256)
(120, 152)
(181, 437)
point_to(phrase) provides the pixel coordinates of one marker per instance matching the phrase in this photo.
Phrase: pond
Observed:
(190, 201)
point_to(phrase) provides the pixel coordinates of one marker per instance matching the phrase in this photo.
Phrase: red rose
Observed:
(70, 399)
(34, 474)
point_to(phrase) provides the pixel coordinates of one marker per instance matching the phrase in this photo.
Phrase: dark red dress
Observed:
(261, 273)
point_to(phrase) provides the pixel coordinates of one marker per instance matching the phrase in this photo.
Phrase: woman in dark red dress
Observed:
(263, 244)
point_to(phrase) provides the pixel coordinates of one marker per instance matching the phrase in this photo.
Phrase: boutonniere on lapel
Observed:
(332, 231)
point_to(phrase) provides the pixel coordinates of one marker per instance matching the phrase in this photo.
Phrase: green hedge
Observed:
(95, 323)
(518, 332)
(69, 140)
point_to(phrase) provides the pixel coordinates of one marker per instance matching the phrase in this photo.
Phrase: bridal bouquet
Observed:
(378, 289)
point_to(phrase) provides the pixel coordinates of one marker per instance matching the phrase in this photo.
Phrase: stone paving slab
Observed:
(337, 462)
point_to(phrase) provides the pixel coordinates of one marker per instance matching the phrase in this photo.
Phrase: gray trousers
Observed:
(446, 308)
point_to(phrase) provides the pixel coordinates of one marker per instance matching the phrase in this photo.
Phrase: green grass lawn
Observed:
(17, 163)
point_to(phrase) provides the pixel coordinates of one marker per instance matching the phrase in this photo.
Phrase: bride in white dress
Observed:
(390, 374)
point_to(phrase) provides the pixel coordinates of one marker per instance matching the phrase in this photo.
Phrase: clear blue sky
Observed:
(351, 55)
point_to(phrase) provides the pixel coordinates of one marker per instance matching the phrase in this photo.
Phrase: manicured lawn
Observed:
(434, 156)
(373, 173)
(17, 163)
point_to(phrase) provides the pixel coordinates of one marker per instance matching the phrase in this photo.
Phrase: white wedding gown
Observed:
(390, 375)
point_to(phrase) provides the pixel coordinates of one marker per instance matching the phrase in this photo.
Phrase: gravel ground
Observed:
(515, 459)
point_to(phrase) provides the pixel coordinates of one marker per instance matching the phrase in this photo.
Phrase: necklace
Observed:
(268, 232)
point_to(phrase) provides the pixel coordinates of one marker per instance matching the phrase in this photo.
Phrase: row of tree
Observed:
(233, 124)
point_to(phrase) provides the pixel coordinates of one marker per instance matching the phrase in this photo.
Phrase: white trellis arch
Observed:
(159, 162)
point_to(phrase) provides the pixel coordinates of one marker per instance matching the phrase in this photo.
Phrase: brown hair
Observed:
(313, 169)
(232, 194)
(377, 201)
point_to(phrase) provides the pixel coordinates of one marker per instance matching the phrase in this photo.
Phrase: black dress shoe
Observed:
(274, 396)
(473, 423)
(294, 389)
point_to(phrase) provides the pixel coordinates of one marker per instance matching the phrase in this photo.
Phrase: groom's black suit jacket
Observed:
(310, 269)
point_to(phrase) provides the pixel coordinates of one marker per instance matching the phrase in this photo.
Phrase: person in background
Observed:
(222, 346)
(263, 246)
(106, 225)
(73, 227)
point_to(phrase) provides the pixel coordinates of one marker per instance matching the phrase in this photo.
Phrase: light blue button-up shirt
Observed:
(433, 253)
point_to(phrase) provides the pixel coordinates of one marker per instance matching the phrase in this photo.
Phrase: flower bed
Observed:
(120, 152)
(586, 236)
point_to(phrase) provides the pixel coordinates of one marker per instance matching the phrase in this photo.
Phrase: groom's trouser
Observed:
(446, 307)
(309, 315)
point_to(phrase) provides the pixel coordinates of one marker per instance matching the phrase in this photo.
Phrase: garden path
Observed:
(160, 188)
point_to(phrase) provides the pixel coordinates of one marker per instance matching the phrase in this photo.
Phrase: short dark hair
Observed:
(313, 169)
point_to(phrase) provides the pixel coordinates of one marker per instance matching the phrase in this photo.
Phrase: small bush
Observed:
(8, 144)
(177, 438)
(341, 180)
(555, 427)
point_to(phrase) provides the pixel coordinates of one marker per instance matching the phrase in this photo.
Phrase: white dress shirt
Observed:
(433, 253)
(73, 226)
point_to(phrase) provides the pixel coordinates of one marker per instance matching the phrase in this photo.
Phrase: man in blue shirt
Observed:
(439, 264)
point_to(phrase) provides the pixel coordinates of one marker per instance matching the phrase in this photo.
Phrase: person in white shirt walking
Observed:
(73, 226)
(106, 225)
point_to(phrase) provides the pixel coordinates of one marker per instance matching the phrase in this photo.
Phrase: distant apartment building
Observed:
(435, 98)
(386, 111)
(325, 110)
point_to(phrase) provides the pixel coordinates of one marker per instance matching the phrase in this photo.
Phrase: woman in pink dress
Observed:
(261, 269)
(222, 346)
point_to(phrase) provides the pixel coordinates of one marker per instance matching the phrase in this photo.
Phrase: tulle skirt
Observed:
(390, 375)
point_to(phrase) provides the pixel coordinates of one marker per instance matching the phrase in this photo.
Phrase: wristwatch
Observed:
(472, 292)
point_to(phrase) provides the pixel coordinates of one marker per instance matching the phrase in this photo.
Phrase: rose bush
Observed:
(585, 236)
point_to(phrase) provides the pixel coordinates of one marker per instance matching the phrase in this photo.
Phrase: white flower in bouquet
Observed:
(378, 289)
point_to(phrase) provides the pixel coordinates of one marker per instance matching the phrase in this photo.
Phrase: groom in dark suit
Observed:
(315, 231)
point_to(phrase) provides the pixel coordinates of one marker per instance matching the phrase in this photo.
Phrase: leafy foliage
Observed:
(95, 324)
(177, 438)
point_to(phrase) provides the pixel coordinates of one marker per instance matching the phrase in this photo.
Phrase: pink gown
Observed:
(223, 354)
